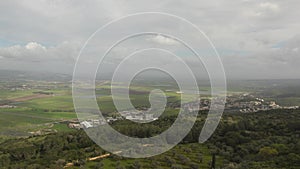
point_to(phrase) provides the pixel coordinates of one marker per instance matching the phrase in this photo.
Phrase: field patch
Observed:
(31, 97)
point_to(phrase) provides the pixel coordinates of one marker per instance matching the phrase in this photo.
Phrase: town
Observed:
(243, 103)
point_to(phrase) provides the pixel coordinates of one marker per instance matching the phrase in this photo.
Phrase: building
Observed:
(86, 124)
(74, 126)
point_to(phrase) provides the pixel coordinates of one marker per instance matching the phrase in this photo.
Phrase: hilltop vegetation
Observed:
(259, 140)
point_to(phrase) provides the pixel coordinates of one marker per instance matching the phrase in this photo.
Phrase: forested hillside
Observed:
(257, 140)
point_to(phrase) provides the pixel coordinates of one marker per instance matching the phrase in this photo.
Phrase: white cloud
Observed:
(266, 11)
(35, 46)
(270, 6)
(35, 52)
(164, 40)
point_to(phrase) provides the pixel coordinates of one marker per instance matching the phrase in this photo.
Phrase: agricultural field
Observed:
(37, 107)
(48, 102)
(33, 108)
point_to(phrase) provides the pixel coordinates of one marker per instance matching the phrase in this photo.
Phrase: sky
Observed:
(256, 39)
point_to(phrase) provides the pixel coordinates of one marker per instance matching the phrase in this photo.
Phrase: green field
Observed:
(32, 114)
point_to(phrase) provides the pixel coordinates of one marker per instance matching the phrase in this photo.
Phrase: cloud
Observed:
(35, 52)
(264, 11)
(56, 29)
(295, 49)
(163, 40)
(279, 62)
(270, 6)
(35, 46)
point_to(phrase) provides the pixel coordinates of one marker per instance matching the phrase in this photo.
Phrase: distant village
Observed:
(244, 103)
(248, 103)
(142, 116)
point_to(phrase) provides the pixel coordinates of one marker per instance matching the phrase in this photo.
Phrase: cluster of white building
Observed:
(129, 115)
(203, 104)
(87, 124)
(253, 105)
(138, 115)
(233, 103)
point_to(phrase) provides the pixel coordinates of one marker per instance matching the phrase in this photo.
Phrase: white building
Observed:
(86, 124)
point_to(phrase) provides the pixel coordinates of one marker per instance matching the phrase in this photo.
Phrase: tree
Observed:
(267, 152)
(213, 161)
(136, 165)
(183, 159)
(4, 160)
(294, 159)
(34, 166)
(99, 165)
(200, 157)
(281, 148)
(174, 166)
(194, 166)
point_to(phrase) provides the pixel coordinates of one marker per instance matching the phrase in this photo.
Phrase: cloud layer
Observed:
(256, 39)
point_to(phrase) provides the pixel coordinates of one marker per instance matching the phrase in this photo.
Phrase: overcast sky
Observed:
(255, 38)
